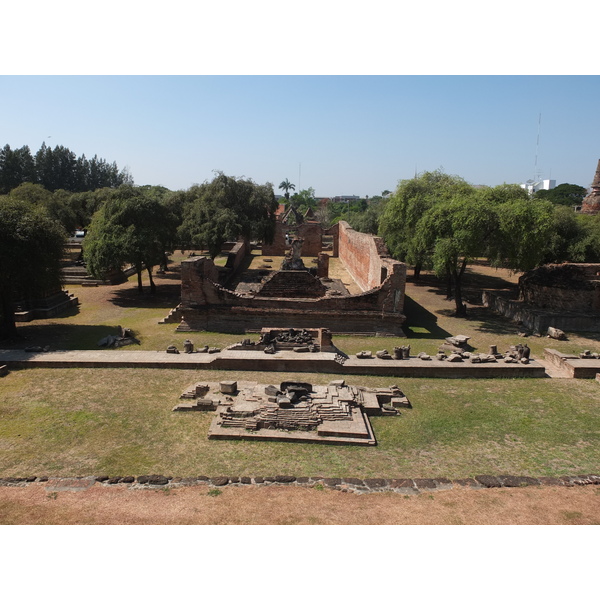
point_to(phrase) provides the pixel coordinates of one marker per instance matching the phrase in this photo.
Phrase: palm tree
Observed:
(287, 186)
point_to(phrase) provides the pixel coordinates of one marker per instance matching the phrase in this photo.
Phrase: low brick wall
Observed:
(206, 305)
(536, 319)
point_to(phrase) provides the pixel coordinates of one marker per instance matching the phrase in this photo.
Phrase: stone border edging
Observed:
(344, 484)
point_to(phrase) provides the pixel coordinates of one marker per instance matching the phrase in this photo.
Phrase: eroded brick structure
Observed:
(591, 203)
(303, 300)
(566, 287)
(310, 231)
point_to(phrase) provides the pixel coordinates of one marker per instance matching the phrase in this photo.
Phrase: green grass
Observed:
(73, 423)
(119, 421)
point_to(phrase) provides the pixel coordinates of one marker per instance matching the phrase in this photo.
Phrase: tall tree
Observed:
(304, 199)
(286, 186)
(57, 204)
(57, 168)
(129, 228)
(406, 207)
(31, 246)
(446, 223)
(227, 208)
(567, 194)
(16, 167)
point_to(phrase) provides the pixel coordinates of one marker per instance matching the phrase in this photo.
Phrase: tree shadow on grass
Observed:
(592, 336)
(170, 275)
(421, 323)
(491, 322)
(167, 296)
(59, 336)
(473, 285)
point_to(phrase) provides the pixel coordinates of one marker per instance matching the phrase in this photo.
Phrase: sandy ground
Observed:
(288, 505)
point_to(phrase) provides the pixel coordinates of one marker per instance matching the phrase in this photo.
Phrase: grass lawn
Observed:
(119, 422)
(76, 422)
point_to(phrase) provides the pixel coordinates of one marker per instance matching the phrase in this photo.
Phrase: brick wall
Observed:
(571, 287)
(362, 256)
(310, 231)
(207, 305)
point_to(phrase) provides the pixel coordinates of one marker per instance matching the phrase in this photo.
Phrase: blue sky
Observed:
(338, 134)
(347, 99)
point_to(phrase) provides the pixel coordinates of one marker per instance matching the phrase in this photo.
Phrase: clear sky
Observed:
(344, 98)
(338, 134)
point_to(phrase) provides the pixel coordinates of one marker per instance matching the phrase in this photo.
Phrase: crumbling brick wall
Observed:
(310, 231)
(207, 305)
(572, 287)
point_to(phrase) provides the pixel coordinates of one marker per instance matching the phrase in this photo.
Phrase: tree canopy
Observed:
(566, 194)
(411, 200)
(441, 222)
(286, 186)
(227, 208)
(31, 246)
(56, 169)
(129, 228)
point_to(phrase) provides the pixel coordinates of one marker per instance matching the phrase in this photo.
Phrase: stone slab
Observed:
(573, 366)
(285, 361)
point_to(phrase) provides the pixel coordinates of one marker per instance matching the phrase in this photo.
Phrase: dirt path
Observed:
(284, 505)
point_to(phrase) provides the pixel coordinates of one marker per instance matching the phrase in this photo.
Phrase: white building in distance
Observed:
(535, 186)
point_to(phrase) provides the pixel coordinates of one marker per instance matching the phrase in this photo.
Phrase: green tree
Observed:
(407, 206)
(57, 204)
(16, 167)
(31, 246)
(443, 222)
(567, 233)
(286, 186)
(57, 168)
(586, 246)
(303, 200)
(129, 228)
(367, 219)
(566, 194)
(227, 208)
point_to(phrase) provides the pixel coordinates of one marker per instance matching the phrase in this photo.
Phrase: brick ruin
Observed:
(591, 203)
(566, 287)
(336, 413)
(565, 296)
(299, 298)
(44, 306)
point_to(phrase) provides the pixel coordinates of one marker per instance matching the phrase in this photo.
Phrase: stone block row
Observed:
(348, 484)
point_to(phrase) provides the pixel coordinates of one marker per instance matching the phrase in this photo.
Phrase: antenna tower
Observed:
(537, 173)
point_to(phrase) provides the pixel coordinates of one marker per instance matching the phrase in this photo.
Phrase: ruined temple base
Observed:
(573, 366)
(243, 320)
(285, 361)
(46, 308)
(357, 432)
(293, 411)
(538, 320)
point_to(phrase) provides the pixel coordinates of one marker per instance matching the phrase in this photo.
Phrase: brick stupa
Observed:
(591, 203)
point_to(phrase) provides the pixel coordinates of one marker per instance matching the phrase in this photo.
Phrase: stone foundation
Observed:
(536, 319)
(45, 308)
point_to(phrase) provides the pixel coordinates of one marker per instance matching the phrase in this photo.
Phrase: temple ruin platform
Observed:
(573, 366)
(293, 411)
(282, 361)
